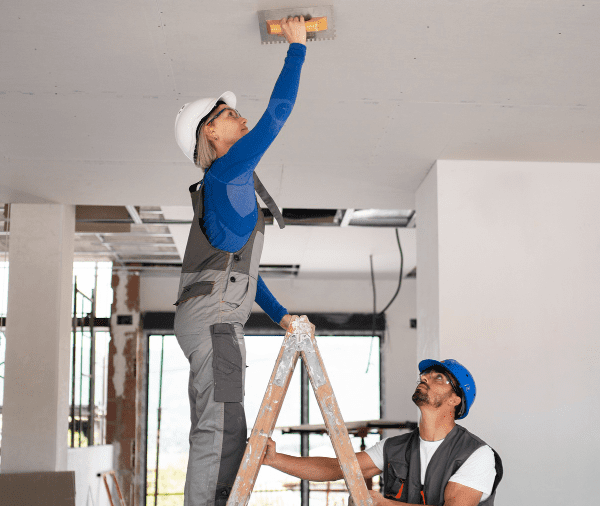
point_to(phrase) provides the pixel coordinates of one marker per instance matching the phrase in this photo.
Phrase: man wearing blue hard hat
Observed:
(440, 462)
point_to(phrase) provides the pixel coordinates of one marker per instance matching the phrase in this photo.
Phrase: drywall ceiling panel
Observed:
(445, 51)
(430, 131)
(522, 133)
(42, 127)
(90, 92)
(330, 133)
(119, 157)
(535, 52)
(88, 48)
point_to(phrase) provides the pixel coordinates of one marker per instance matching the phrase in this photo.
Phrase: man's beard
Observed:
(420, 397)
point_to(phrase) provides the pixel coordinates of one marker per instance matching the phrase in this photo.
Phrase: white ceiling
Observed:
(90, 90)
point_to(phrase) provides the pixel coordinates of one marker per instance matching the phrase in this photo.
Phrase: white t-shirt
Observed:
(477, 472)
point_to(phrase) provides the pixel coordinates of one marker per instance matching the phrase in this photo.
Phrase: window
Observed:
(168, 406)
(345, 359)
(88, 380)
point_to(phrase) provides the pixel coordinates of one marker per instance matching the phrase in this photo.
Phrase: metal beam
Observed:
(134, 215)
(347, 217)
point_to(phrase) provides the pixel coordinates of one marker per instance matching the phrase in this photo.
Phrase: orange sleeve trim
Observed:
(423, 496)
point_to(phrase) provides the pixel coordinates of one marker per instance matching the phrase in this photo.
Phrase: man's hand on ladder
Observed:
(270, 453)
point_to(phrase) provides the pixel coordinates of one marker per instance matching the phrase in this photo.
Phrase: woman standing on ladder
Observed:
(219, 278)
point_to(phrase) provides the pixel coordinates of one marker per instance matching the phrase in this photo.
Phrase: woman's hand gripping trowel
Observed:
(319, 23)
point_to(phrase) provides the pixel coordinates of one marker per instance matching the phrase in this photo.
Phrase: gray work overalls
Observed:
(215, 298)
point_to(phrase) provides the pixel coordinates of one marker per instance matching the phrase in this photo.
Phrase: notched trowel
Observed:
(319, 23)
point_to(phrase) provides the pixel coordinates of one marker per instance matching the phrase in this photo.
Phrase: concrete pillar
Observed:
(123, 374)
(508, 267)
(38, 330)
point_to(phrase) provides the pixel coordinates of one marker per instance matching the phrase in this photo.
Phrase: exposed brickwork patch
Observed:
(133, 293)
(121, 415)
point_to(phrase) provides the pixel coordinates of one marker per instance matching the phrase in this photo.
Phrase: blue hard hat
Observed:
(466, 383)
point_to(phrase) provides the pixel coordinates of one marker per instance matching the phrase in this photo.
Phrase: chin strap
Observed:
(268, 200)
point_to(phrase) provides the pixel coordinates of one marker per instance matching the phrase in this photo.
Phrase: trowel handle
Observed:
(312, 25)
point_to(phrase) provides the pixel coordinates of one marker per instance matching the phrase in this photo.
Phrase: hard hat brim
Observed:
(228, 97)
(426, 364)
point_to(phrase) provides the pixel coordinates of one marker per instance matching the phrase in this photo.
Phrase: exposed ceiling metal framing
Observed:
(140, 235)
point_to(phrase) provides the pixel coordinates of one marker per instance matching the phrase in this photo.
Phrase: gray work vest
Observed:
(402, 466)
(217, 286)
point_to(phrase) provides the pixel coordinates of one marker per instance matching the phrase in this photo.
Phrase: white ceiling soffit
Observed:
(90, 91)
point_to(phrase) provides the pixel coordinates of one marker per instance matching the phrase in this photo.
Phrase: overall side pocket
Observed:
(227, 363)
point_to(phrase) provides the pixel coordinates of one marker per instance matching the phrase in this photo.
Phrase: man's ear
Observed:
(455, 400)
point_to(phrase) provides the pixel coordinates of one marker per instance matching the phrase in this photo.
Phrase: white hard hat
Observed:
(190, 116)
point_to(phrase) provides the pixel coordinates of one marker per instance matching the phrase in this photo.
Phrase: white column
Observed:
(518, 298)
(38, 329)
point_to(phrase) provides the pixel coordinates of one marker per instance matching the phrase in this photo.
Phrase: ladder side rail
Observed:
(340, 440)
(265, 422)
(117, 488)
(107, 489)
(282, 376)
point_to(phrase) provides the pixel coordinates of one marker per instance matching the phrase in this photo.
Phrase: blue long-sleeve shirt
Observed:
(230, 211)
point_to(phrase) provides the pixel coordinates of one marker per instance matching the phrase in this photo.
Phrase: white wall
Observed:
(87, 463)
(519, 305)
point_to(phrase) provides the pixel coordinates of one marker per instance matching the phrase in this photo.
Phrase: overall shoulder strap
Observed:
(196, 195)
(268, 200)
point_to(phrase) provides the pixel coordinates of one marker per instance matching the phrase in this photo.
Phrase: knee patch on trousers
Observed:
(232, 451)
(227, 363)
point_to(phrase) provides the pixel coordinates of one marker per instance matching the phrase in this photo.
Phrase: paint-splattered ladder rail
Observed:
(300, 341)
(116, 484)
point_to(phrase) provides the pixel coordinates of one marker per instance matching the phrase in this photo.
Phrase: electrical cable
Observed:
(374, 312)
(400, 279)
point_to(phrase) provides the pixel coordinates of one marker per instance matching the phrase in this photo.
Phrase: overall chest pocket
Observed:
(395, 486)
(236, 290)
(195, 290)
